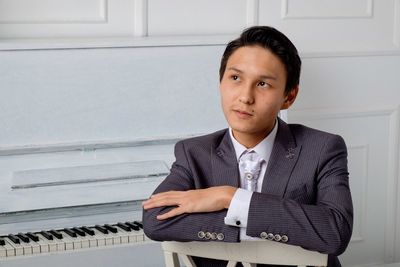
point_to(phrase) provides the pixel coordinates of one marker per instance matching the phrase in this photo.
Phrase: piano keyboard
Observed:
(68, 239)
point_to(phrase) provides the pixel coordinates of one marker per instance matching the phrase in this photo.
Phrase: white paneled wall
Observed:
(155, 76)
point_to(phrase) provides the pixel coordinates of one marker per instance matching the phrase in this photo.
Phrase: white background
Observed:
(79, 73)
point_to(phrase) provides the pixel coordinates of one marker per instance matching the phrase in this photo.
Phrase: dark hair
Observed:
(273, 40)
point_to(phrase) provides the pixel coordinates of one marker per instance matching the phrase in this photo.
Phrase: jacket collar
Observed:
(285, 153)
(284, 156)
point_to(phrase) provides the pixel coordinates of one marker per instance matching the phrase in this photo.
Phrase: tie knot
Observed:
(251, 156)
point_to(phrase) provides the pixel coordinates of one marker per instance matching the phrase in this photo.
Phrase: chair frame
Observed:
(249, 253)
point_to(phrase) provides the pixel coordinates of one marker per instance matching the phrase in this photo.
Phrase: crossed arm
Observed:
(179, 209)
(192, 201)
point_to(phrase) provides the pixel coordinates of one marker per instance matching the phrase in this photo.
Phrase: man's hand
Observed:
(199, 200)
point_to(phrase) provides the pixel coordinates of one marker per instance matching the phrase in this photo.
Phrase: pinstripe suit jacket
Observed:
(305, 193)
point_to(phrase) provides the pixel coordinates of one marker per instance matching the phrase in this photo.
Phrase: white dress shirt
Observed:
(238, 210)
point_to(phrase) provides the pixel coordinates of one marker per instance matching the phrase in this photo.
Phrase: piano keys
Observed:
(74, 238)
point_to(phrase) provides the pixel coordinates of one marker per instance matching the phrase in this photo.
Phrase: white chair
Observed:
(249, 253)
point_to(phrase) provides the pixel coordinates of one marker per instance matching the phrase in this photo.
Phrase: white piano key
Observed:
(109, 240)
(138, 235)
(132, 236)
(44, 244)
(10, 250)
(84, 241)
(124, 235)
(89, 241)
(3, 252)
(19, 250)
(93, 242)
(69, 244)
(100, 238)
(77, 242)
(27, 248)
(116, 238)
(55, 244)
(35, 248)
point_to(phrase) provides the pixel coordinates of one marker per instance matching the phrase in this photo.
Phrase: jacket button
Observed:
(277, 237)
(201, 234)
(237, 223)
(270, 236)
(208, 235)
(213, 236)
(285, 238)
(263, 235)
(220, 236)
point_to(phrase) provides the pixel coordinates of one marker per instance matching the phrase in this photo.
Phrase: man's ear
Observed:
(290, 97)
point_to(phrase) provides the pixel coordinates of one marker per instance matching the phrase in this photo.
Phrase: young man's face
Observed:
(253, 92)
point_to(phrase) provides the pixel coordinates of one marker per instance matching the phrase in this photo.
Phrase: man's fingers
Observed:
(149, 204)
(163, 199)
(167, 194)
(172, 213)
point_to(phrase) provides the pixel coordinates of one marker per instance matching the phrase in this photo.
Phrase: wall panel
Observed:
(327, 9)
(63, 18)
(31, 11)
(196, 17)
(333, 26)
(370, 150)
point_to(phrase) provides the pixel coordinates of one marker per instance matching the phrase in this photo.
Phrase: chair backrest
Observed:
(249, 253)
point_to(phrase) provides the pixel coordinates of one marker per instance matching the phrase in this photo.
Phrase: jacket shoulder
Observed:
(208, 140)
(304, 134)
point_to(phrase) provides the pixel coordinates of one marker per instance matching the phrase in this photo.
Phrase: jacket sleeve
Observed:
(325, 226)
(185, 227)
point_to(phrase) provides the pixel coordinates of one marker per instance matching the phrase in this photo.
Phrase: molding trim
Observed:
(369, 13)
(396, 24)
(11, 44)
(364, 196)
(392, 220)
(102, 18)
(252, 9)
(86, 146)
(141, 18)
(340, 112)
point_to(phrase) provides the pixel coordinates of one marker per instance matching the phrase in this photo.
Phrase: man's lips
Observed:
(242, 113)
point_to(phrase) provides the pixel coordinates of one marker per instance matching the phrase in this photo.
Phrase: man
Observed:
(261, 178)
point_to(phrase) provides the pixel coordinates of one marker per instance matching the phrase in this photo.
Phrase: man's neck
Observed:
(250, 140)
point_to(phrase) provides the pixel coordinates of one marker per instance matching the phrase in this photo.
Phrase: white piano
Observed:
(80, 211)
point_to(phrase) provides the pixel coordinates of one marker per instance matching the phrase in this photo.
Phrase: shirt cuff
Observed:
(239, 208)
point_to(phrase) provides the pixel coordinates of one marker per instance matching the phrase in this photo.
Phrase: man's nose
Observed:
(246, 94)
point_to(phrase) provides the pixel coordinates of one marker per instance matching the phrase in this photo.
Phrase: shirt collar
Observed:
(263, 149)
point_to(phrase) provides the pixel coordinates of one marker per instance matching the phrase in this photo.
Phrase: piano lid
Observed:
(38, 189)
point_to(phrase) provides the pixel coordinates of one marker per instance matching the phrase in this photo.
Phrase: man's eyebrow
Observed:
(267, 77)
(235, 69)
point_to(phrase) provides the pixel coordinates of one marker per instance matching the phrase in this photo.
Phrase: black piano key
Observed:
(14, 239)
(78, 231)
(47, 235)
(57, 234)
(87, 230)
(32, 236)
(101, 229)
(133, 226)
(110, 228)
(124, 226)
(138, 224)
(69, 232)
(2, 242)
(23, 237)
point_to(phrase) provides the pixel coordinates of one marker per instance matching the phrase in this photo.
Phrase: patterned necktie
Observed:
(250, 163)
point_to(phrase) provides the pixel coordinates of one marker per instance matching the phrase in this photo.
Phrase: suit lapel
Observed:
(225, 170)
(282, 161)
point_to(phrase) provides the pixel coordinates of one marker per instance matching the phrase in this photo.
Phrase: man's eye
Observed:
(235, 77)
(263, 84)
